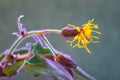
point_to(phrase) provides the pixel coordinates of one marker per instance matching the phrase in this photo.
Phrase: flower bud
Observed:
(69, 32)
(63, 60)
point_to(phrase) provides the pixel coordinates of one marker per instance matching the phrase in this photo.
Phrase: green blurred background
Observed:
(103, 63)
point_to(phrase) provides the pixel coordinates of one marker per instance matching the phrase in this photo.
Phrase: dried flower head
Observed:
(82, 35)
(22, 30)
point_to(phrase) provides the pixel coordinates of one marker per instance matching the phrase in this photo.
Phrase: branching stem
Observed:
(48, 44)
(15, 44)
(37, 32)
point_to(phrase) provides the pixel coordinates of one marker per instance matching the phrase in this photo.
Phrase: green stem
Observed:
(47, 31)
(48, 44)
(41, 32)
(15, 44)
(52, 30)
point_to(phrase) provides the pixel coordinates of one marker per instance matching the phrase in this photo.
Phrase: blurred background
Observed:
(103, 63)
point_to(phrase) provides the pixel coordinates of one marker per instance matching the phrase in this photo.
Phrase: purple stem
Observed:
(84, 73)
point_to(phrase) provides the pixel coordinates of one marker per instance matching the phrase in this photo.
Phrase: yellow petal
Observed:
(88, 50)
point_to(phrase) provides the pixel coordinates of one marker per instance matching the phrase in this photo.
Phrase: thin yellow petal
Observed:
(96, 32)
(94, 26)
(87, 49)
(76, 27)
(93, 41)
(95, 37)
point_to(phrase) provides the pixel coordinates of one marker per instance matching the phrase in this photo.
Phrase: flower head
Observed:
(82, 35)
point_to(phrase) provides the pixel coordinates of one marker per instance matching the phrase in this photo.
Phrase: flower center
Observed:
(82, 30)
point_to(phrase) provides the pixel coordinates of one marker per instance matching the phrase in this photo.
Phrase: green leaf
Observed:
(21, 51)
(10, 70)
(37, 47)
(36, 69)
(36, 60)
(40, 70)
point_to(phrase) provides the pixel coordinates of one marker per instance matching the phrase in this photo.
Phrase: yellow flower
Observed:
(84, 35)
